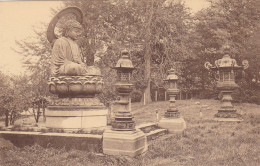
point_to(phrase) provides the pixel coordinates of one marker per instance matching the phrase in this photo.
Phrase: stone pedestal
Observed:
(128, 143)
(76, 113)
(76, 106)
(227, 112)
(123, 117)
(174, 125)
(172, 120)
(76, 117)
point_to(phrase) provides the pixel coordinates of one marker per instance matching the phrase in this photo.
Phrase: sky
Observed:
(17, 19)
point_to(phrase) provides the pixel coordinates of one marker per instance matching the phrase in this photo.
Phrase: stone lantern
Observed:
(123, 118)
(226, 68)
(122, 138)
(172, 120)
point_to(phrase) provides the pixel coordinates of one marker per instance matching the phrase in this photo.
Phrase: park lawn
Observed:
(204, 142)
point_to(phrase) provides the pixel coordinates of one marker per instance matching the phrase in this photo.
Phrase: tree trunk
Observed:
(6, 118)
(147, 95)
(12, 117)
(38, 113)
(147, 92)
(34, 113)
(43, 112)
(147, 59)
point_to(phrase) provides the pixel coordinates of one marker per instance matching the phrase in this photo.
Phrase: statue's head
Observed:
(72, 29)
(69, 24)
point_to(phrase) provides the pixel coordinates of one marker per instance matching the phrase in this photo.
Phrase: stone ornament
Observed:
(172, 119)
(71, 86)
(75, 83)
(173, 91)
(71, 76)
(123, 117)
(226, 68)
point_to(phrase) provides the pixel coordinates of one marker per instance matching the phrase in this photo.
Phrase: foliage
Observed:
(159, 35)
(39, 106)
(234, 23)
(36, 54)
(136, 96)
(14, 97)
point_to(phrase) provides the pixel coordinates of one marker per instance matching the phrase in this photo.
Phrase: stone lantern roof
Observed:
(226, 61)
(124, 61)
(172, 75)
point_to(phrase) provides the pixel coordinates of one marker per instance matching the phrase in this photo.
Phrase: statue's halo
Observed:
(73, 10)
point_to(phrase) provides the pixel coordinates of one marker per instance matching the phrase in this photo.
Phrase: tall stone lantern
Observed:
(123, 117)
(123, 138)
(172, 120)
(226, 68)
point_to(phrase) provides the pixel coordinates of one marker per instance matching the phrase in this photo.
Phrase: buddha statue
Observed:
(66, 56)
(70, 76)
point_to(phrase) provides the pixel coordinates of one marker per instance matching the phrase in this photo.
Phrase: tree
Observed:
(14, 97)
(225, 22)
(5, 97)
(155, 32)
(39, 106)
(148, 29)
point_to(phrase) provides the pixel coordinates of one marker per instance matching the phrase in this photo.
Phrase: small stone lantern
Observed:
(123, 117)
(226, 68)
(123, 138)
(172, 120)
(172, 79)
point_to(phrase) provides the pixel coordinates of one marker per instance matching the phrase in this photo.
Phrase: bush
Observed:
(246, 95)
(136, 96)
(209, 94)
(16, 127)
(107, 96)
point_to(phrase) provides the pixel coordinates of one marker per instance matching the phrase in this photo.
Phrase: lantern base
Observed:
(228, 115)
(174, 125)
(126, 143)
(172, 114)
(123, 125)
(228, 120)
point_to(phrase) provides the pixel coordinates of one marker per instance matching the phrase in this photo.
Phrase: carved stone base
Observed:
(172, 114)
(228, 119)
(126, 143)
(76, 117)
(174, 125)
(123, 125)
(228, 114)
(76, 102)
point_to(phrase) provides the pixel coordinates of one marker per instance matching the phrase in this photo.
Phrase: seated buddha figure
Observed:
(66, 56)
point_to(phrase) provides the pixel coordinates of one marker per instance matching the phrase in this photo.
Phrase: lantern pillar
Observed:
(172, 120)
(123, 138)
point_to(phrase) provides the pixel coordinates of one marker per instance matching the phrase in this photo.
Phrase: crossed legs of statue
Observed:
(73, 69)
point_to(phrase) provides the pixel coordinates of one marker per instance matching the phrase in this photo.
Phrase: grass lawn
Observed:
(204, 142)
